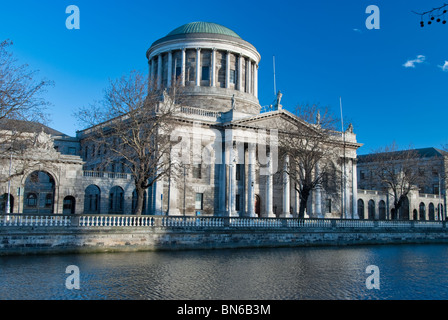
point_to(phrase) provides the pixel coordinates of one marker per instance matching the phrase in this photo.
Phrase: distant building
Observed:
(425, 202)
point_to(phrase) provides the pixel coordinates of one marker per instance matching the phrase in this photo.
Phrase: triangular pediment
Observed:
(279, 119)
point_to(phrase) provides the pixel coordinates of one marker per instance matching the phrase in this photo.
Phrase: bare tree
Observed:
(22, 110)
(20, 92)
(132, 126)
(397, 172)
(312, 148)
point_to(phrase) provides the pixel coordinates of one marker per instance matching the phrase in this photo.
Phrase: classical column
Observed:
(170, 69)
(355, 189)
(159, 71)
(149, 71)
(286, 188)
(232, 182)
(213, 75)
(153, 66)
(173, 192)
(228, 69)
(249, 76)
(183, 67)
(240, 72)
(256, 80)
(269, 189)
(222, 183)
(251, 181)
(318, 197)
(198, 67)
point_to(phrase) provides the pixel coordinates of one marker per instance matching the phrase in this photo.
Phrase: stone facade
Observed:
(426, 202)
(221, 113)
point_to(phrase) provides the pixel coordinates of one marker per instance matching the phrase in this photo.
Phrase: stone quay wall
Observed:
(25, 234)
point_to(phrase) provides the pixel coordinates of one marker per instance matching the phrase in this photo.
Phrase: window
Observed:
(436, 189)
(198, 205)
(238, 171)
(205, 73)
(237, 202)
(178, 72)
(197, 174)
(48, 200)
(362, 175)
(421, 171)
(328, 206)
(31, 200)
(232, 76)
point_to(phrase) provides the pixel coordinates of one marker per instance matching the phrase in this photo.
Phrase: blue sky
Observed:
(391, 80)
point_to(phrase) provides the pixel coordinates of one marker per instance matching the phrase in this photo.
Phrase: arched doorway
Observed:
(360, 209)
(39, 193)
(69, 205)
(4, 203)
(371, 209)
(414, 214)
(422, 211)
(382, 210)
(431, 215)
(92, 199)
(257, 205)
(404, 209)
(116, 200)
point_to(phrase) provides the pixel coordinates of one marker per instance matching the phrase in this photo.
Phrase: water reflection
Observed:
(406, 272)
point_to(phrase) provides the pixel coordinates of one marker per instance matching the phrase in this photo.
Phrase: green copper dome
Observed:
(203, 27)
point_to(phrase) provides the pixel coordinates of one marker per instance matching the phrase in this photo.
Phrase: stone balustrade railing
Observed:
(87, 221)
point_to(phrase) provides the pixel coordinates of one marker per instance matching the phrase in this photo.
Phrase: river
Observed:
(402, 272)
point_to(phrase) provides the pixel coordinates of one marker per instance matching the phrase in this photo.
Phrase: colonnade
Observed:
(242, 75)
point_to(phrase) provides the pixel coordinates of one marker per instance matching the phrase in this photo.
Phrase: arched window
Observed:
(69, 205)
(431, 215)
(116, 200)
(31, 200)
(360, 209)
(92, 198)
(371, 209)
(4, 203)
(382, 210)
(39, 193)
(422, 211)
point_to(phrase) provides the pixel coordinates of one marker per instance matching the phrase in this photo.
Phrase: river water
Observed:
(403, 272)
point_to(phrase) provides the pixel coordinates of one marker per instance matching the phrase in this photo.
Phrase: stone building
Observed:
(222, 117)
(426, 201)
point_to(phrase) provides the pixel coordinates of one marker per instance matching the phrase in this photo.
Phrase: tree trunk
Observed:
(304, 194)
(140, 200)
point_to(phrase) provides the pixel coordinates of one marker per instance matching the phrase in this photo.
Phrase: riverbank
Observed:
(56, 234)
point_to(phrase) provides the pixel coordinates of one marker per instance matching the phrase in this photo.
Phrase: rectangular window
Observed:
(197, 171)
(232, 76)
(436, 189)
(178, 72)
(238, 172)
(205, 73)
(198, 205)
(328, 206)
(237, 202)
(362, 175)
